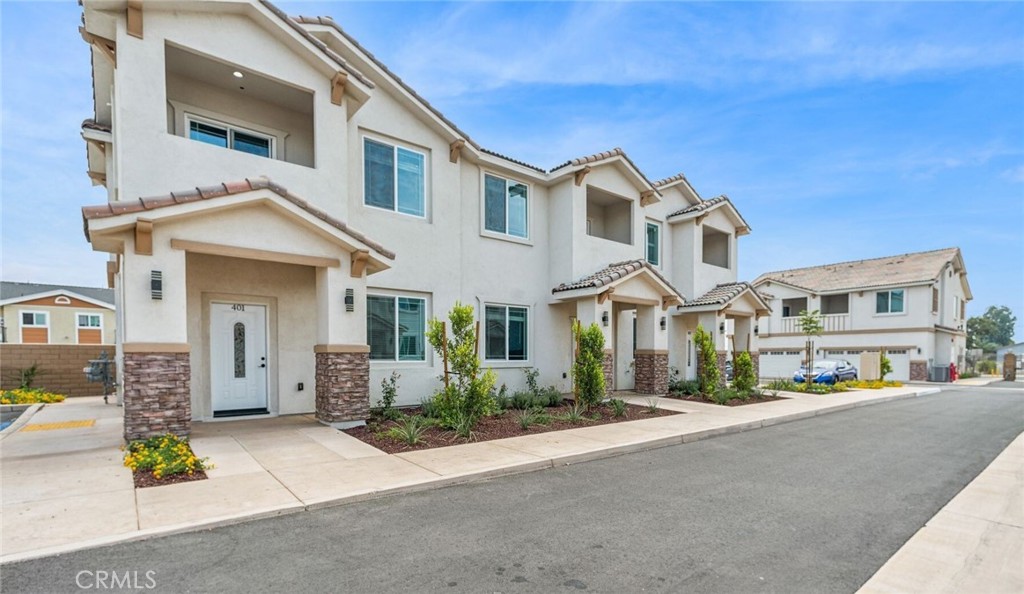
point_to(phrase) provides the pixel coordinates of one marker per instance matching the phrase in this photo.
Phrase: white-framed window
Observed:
(89, 321)
(229, 136)
(889, 302)
(506, 332)
(35, 319)
(396, 327)
(654, 243)
(506, 207)
(394, 177)
(956, 307)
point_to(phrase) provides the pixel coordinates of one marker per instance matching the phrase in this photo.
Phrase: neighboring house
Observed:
(31, 313)
(285, 215)
(1016, 349)
(56, 329)
(913, 306)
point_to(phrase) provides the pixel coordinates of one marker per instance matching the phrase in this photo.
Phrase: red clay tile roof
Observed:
(318, 44)
(91, 124)
(918, 267)
(603, 155)
(612, 273)
(721, 294)
(114, 209)
(668, 180)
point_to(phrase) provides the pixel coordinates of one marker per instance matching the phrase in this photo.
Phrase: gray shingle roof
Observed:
(11, 290)
(612, 273)
(225, 189)
(877, 272)
(91, 124)
(720, 295)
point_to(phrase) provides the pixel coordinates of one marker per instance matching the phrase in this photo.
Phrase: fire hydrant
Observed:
(952, 372)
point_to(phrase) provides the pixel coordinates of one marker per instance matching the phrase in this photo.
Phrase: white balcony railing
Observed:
(829, 323)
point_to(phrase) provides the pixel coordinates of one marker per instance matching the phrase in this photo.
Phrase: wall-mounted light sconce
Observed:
(918, 350)
(350, 300)
(664, 322)
(604, 318)
(156, 284)
(755, 330)
(721, 328)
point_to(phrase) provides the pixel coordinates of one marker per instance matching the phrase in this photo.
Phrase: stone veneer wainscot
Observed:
(157, 398)
(342, 385)
(651, 369)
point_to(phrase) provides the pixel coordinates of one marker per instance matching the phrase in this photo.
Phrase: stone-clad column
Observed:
(608, 367)
(918, 371)
(342, 384)
(723, 357)
(157, 396)
(651, 369)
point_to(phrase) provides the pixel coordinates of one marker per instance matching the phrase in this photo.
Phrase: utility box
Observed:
(870, 367)
(938, 373)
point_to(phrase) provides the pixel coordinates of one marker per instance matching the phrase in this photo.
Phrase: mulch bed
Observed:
(497, 427)
(733, 402)
(145, 478)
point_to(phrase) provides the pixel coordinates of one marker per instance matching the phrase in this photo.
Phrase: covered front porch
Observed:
(730, 312)
(237, 301)
(629, 301)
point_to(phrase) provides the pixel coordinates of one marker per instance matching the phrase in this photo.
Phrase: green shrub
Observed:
(618, 406)
(744, 379)
(409, 430)
(684, 387)
(781, 385)
(469, 393)
(552, 395)
(502, 401)
(588, 369)
(986, 367)
(652, 406)
(386, 405)
(724, 395)
(707, 361)
(575, 414)
(885, 366)
(533, 416)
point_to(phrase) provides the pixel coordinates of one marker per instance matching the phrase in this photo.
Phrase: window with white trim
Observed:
(229, 136)
(89, 321)
(506, 207)
(396, 327)
(35, 319)
(394, 178)
(654, 243)
(889, 301)
(506, 333)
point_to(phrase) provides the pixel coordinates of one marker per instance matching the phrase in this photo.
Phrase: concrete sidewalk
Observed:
(974, 544)
(64, 488)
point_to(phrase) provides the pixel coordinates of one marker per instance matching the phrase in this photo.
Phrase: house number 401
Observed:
(238, 307)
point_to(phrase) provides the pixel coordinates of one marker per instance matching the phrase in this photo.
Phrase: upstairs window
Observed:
(935, 300)
(34, 319)
(89, 321)
(889, 301)
(654, 243)
(227, 136)
(393, 178)
(505, 207)
(396, 328)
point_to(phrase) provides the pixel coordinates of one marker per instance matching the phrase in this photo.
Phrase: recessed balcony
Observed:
(609, 216)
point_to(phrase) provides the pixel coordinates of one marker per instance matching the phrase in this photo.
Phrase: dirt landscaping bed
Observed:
(732, 402)
(500, 426)
(145, 478)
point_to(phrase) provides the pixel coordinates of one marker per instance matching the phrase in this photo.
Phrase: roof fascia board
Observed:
(56, 293)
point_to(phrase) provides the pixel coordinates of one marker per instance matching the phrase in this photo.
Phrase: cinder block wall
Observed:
(60, 366)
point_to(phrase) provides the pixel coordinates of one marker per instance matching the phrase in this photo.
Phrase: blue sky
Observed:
(841, 131)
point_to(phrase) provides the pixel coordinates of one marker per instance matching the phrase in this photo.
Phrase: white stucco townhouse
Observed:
(912, 306)
(285, 214)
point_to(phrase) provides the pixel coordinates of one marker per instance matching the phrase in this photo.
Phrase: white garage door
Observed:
(900, 365)
(776, 364)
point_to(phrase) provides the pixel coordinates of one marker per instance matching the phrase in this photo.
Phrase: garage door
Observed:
(776, 364)
(900, 365)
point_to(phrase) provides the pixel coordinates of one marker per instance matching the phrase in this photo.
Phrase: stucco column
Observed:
(342, 355)
(651, 363)
(155, 348)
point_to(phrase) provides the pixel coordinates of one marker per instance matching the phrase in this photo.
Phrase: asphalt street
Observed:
(816, 505)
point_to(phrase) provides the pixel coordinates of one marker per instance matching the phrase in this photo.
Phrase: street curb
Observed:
(452, 480)
(21, 421)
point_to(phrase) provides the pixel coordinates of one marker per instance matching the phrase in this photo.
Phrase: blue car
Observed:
(827, 371)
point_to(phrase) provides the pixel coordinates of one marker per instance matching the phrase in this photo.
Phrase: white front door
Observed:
(238, 358)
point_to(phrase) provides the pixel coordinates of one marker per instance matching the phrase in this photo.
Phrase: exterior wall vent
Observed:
(156, 284)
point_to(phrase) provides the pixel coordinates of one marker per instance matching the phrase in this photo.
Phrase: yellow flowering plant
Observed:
(164, 455)
(29, 396)
(873, 384)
